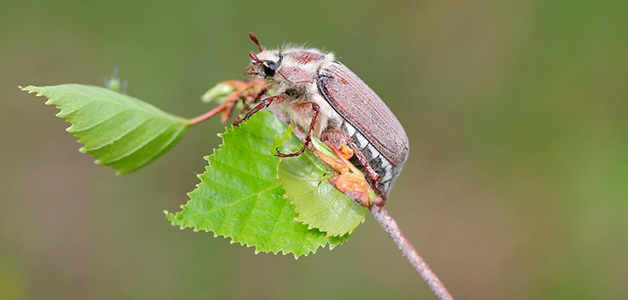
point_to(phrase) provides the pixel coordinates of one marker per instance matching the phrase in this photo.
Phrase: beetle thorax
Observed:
(291, 68)
(295, 77)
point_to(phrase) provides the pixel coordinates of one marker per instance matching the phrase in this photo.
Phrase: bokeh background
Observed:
(516, 186)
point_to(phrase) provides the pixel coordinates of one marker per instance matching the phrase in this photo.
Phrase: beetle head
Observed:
(265, 63)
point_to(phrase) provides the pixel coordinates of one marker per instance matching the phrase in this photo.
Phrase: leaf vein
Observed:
(121, 135)
(65, 115)
(164, 146)
(99, 123)
(208, 212)
(139, 147)
(236, 169)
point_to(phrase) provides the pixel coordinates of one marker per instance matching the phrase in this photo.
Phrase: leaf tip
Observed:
(170, 216)
(124, 170)
(29, 89)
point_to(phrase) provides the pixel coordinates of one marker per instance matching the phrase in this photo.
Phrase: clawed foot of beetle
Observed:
(238, 121)
(248, 115)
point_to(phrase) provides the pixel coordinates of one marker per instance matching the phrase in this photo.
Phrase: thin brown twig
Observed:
(207, 115)
(391, 227)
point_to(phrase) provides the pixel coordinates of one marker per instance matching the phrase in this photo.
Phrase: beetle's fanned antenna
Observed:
(254, 39)
(254, 57)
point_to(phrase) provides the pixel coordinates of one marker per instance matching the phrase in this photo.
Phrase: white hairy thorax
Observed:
(298, 105)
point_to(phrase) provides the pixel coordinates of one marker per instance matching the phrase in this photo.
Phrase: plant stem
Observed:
(390, 226)
(207, 115)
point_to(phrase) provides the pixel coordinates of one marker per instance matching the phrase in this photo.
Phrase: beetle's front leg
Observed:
(255, 98)
(308, 137)
(263, 104)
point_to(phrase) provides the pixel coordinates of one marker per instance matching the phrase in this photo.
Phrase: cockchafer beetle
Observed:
(322, 95)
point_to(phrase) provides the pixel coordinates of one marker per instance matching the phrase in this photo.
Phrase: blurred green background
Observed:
(516, 186)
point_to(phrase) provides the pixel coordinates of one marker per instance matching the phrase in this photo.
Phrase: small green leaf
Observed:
(317, 202)
(218, 93)
(240, 197)
(320, 146)
(120, 131)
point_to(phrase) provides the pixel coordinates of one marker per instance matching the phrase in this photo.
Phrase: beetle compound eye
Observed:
(269, 68)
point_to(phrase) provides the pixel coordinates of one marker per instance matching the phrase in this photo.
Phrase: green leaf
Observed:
(218, 93)
(120, 131)
(240, 197)
(318, 204)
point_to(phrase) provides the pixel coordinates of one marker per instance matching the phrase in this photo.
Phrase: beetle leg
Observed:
(339, 138)
(263, 104)
(369, 170)
(308, 137)
(373, 176)
(247, 104)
